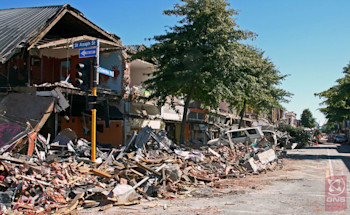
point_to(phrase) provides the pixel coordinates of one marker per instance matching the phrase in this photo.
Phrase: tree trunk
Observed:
(241, 114)
(184, 116)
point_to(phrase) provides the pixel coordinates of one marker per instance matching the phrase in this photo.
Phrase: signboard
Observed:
(85, 44)
(107, 72)
(91, 52)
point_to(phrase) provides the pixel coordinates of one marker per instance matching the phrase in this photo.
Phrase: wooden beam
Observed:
(47, 29)
(101, 173)
(63, 42)
(44, 118)
(81, 18)
(17, 160)
(148, 168)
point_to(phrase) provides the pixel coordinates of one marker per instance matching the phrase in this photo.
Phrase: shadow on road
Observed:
(319, 147)
(339, 148)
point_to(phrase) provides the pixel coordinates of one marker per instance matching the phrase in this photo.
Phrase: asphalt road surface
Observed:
(296, 188)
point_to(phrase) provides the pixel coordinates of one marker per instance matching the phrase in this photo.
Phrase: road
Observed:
(297, 188)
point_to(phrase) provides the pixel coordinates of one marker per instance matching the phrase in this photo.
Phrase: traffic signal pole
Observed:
(88, 49)
(93, 111)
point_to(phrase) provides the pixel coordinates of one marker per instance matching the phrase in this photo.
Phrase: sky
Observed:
(306, 39)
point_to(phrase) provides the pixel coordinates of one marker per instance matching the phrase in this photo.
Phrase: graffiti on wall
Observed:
(8, 130)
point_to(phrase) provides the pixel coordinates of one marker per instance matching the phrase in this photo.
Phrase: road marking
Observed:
(327, 171)
(330, 164)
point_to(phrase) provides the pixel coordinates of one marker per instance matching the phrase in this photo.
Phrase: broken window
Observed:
(251, 131)
(64, 69)
(237, 134)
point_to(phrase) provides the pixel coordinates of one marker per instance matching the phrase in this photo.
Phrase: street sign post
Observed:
(94, 94)
(85, 44)
(90, 52)
(94, 52)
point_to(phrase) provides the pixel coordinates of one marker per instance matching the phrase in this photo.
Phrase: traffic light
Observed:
(83, 75)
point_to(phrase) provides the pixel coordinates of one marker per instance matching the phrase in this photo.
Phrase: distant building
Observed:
(290, 119)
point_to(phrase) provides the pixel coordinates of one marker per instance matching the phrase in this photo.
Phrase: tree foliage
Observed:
(253, 81)
(328, 127)
(337, 99)
(191, 56)
(299, 135)
(202, 58)
(307, 120)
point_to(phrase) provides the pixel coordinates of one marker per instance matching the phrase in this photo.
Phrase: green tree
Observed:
(307, 120)
(328, 127)
(337, 99)
(191, 58)
(253, 82)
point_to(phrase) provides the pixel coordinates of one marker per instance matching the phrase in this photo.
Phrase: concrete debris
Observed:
(125, 193)
(267, 156)
(62, 103)
(173, 172)
(250, 165)
(60, 178)
(63, 84)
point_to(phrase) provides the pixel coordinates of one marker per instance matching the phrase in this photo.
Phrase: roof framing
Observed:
(63, 43)
(82, 18)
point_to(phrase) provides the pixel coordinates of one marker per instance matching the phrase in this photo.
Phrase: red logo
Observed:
(335, 196)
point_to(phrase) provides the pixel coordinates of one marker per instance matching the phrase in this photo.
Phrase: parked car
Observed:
(240, 136)
(340, 138)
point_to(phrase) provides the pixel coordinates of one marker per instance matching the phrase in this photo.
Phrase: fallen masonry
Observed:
(59, 177)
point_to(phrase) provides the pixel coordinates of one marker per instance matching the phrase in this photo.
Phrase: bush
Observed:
(298, 134)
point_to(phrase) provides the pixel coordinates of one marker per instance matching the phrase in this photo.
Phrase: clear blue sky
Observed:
(307, 39)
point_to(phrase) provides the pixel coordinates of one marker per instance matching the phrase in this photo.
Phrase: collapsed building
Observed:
(38, 59)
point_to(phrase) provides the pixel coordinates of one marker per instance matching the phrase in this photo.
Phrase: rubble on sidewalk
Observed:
(60, 178)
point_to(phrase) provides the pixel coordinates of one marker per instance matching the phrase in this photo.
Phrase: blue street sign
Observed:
(85, 44)
(83, 53)
(105, 71)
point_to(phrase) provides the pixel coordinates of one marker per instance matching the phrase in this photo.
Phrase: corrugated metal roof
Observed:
(19, 25)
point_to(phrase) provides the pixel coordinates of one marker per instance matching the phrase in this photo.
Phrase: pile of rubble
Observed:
(60, 178)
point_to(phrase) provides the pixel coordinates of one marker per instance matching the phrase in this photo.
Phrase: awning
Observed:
(168, 113)
(144, 109)
(141, 123)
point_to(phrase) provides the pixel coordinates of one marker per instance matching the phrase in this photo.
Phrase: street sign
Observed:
(85, 44)
(107, 72)
(91, 52)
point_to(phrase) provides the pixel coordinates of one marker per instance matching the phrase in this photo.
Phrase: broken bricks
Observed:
(60, 178)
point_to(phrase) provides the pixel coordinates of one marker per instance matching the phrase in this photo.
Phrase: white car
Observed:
(243, 135)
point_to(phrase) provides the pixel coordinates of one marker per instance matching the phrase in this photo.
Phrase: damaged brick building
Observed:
(36, 57)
